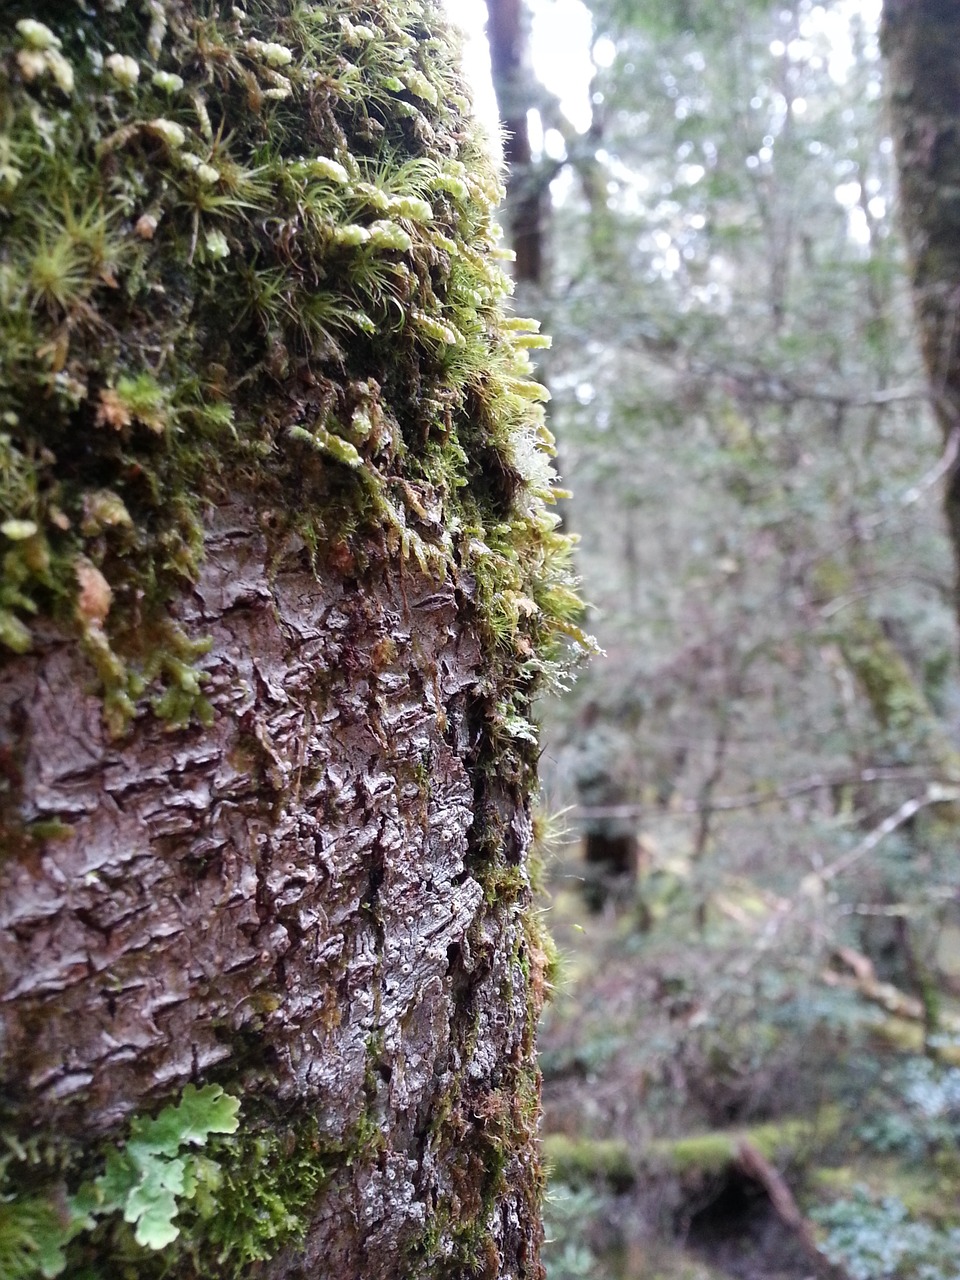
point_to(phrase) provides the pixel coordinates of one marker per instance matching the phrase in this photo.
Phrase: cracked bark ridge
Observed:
(285, 900)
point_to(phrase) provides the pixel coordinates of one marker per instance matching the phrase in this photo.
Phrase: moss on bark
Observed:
(254, 244)
(252, 321)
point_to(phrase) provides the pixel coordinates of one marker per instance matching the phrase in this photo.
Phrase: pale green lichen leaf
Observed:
(199, 1113)
(519, 727)
(115, 1184)
(154, 1219)
(18, 530)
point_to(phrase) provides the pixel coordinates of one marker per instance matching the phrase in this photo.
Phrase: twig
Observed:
(813, 884)
(864, 981)
(756, 1166)
(934, 794)
(751, 799)
(940, 468)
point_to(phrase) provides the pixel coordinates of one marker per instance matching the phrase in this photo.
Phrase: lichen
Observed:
(578, 1160)
(248, 1193)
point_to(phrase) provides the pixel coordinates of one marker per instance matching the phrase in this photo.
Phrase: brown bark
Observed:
(920, 40)
(288, 894)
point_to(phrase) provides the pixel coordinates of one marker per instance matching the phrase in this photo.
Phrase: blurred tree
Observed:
(920, 41)
(601, 774)
(516, 89)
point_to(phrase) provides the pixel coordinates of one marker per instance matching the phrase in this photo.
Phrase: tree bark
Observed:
(919, 40)
(279, 586)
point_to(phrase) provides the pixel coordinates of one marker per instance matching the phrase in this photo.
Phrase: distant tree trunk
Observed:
(920, 41)
(515, 88)
(278, 586)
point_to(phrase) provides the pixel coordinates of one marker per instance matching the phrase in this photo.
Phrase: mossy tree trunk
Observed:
(279, 583)
(920, 40)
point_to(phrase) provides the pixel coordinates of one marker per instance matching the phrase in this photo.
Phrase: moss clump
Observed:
(156, 1206)
(253, 250)
(576, 1160)
(270, 1175)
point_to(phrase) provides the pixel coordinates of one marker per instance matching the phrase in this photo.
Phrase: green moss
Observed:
(165, 1209)
(710, 1152)
(578, 1160)
(486, 1142)
(259, 251)
(270, 1176)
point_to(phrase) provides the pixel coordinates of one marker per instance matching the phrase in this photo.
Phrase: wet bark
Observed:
(920, 40)
(292, 861)
(289, 898)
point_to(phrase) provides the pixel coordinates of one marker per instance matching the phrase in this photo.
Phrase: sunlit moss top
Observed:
(253, 250)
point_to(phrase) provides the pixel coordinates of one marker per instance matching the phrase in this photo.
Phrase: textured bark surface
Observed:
(239, 853)
(920, 40)
(289, 891)
(278, 581)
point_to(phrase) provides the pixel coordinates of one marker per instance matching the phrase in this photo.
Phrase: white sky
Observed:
(561, 46)
(562, 35)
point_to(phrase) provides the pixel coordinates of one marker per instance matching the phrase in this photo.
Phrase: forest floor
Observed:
(670, 1043)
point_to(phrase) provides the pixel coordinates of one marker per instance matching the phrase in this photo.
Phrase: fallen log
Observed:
(620, 1163)
(861, 979)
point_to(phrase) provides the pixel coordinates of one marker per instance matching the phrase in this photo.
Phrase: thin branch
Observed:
(935, 794)
(761, 386)
(937, 472)
(753, 799)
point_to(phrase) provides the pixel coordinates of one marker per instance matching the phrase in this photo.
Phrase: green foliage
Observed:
(876, 1239)
(146, 1178)
(917, 1110)
(268, 1180)
(190, 1191)
(566, 1217)
(31, 1239)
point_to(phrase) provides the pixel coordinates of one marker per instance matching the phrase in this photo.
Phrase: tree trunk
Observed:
(279, 584)
(919, 39)
(515, 85)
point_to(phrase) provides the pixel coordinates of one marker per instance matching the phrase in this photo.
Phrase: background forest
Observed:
(752, 1061)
